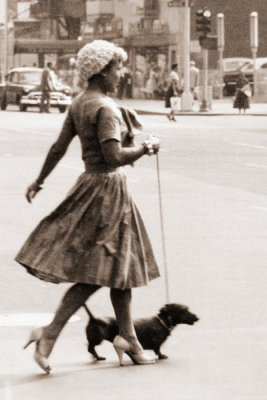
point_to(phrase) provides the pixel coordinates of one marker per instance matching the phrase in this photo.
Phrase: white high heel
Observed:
(36, 336)
(122, 346)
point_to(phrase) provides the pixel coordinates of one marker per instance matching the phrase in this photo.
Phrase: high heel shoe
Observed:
(122, 346)
(36, 336)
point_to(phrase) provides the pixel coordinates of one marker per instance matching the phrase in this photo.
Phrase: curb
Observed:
(198, 114)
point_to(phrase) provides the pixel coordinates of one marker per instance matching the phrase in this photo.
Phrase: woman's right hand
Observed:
(32, 190)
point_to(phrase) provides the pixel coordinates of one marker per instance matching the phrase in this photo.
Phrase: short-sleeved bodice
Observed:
(95, 119)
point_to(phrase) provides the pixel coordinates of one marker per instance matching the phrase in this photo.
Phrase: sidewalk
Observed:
(219, 107)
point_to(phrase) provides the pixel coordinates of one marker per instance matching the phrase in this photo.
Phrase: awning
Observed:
(47, 46)
(54, 46)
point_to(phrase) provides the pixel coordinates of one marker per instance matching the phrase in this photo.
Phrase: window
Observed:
(14, 77)
(30, 77)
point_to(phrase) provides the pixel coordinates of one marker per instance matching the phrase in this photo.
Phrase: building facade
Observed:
(150, 31)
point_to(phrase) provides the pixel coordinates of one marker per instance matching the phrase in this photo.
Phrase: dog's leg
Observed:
(160, 355)
(91, 349)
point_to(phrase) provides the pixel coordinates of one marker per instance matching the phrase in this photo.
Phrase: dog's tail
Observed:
(88, 311)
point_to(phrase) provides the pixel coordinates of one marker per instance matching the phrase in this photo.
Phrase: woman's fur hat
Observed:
(94, 56)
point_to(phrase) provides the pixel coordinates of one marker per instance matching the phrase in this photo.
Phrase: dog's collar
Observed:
(163, 324)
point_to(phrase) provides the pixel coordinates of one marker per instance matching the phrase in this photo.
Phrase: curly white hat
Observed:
(94, 56)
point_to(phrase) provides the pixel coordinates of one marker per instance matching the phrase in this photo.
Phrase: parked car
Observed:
(231, 70)
(261, 69)
(22, 87)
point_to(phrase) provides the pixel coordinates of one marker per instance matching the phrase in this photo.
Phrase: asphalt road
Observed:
(213, 182)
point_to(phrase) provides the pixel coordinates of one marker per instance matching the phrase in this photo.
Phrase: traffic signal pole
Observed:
(220, 35)
(203, 27)
(204, 102)
(187, 97)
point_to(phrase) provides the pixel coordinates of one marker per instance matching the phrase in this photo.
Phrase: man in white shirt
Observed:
(194, 78)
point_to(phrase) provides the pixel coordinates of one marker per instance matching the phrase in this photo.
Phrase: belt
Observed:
(99, 168)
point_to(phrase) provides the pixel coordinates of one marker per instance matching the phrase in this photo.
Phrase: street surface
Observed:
(214, 194)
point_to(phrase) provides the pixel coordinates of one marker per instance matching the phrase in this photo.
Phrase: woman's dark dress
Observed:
(241, 100)
(96, 235)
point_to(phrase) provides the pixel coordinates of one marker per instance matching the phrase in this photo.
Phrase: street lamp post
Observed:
(220, 36)
(254, 42)
(187, 97)
(5, 50)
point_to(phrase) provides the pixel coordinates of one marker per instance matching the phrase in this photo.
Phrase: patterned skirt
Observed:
(96, 236)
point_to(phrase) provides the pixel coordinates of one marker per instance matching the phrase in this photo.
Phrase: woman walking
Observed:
(173, 90)
(243, 92)
(96, 236)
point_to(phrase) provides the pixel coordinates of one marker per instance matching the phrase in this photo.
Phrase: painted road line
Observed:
(255, 146)
(256, 165)
(260, 208)
(29, 319)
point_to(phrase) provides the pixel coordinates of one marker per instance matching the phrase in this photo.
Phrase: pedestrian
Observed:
(96, 236)
(128, 83)
(243, 93)
(173, 90)
(122, 83)
(46, 88)
(194, 79)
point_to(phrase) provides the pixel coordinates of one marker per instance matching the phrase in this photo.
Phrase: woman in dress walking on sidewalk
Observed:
(243, 92)
(96, 236)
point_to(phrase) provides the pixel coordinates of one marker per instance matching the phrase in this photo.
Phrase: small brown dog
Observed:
(151, 332)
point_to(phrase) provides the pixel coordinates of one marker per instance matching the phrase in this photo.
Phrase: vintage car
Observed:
(231, 71)
(22, 87)
(260, 66)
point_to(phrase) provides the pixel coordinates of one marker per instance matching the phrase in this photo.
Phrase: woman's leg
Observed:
(71, 302)
(121, 301)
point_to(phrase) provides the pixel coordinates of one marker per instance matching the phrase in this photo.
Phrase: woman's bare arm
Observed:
(56, 152)
(115, 155)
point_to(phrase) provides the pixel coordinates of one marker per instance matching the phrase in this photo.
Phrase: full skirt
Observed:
(95, 236)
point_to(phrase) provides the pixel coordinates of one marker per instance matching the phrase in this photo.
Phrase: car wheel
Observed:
(62, 109)
(3, 102)
(22, 107)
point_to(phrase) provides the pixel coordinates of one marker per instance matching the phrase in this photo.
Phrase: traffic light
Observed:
(203, 17)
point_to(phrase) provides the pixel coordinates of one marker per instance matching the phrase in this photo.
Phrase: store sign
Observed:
(208, 42)
(74, 9)
(176, 3)
(151, 8)
(27, 29)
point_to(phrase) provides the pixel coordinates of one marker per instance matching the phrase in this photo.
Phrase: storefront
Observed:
(151, 57)
(44, 47)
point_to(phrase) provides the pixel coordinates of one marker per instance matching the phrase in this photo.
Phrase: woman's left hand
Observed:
(32, 190)
(152, 145)
(155, 141)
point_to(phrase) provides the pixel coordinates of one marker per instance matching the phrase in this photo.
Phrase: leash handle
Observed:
(166, 276)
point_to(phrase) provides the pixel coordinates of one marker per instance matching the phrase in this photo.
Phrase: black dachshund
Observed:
(151, 332)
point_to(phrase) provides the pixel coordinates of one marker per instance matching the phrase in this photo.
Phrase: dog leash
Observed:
(167, 286)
